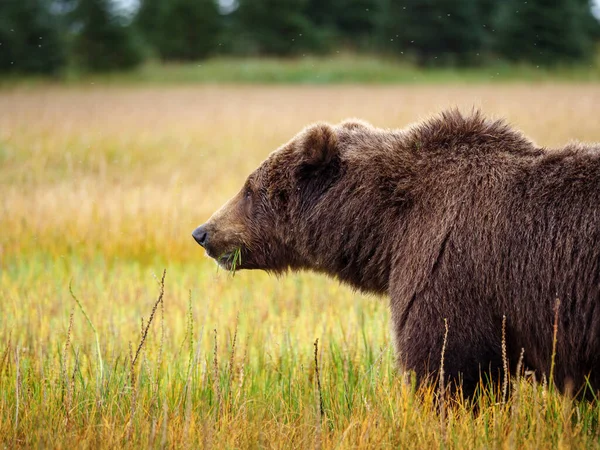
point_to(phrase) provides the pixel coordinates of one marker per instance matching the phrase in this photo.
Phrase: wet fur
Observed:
(456, 218)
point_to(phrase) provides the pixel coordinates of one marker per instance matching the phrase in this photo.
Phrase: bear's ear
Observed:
(319, 145)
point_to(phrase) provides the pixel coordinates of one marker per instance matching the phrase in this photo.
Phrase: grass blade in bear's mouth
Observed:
(231, 260)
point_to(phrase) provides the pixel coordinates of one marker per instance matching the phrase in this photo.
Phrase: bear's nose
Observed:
(200, 235)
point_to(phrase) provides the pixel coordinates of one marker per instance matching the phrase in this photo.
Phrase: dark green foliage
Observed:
(189, 30)
(180, 29)
(351, 23)
(488, 13)
(104, 42)
(435, 32)
(275, 27)
(40, 36)
(150, 21)
(545, 31)
(30, 40)
(592, 23)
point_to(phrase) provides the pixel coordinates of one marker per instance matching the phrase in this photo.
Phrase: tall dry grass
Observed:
(99, 190)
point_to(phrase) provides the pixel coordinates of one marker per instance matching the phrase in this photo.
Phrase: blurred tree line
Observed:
(43, 36)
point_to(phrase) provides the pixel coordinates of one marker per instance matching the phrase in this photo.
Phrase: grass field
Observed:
(321, 70)
(100, 188)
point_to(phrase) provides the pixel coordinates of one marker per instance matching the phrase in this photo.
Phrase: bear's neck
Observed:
(352, 231)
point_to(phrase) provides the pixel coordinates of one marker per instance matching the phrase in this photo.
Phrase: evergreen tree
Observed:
(275, 27)
(105, 42)
(150, 21)
(488, 13)
(30, 40)
(592, 22)
(435, 32)
(348, 22)
(545, 31)
(189, 30)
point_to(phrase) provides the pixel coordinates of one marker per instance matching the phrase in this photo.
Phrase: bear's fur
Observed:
(457, 219)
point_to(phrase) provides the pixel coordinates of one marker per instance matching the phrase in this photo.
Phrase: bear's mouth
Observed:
(231, 260)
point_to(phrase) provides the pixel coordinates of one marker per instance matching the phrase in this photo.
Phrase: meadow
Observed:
(100, 188)
(340, 68)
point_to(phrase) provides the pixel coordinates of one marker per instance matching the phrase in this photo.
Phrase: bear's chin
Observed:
(226, 265)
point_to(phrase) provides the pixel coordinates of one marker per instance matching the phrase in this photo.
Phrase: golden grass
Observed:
(101, 187)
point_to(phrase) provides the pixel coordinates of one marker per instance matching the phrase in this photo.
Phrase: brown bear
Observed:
(459, 219)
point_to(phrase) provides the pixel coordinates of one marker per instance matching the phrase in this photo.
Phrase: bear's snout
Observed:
(200, 235)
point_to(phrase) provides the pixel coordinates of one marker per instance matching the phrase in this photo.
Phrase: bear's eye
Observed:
(248, 193)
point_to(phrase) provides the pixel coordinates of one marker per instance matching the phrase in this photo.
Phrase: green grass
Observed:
(207, 381)
(324, 70)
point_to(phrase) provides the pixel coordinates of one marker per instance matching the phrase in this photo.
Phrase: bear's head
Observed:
(258, 227)
(314, 203)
